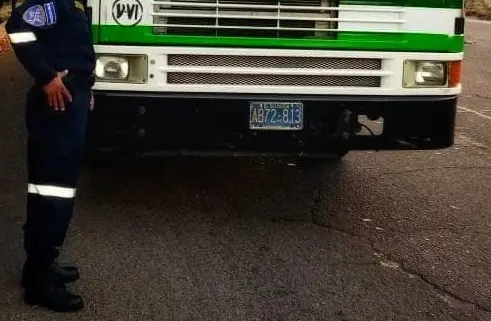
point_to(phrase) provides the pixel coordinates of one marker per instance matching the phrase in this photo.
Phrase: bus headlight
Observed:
(121, 68)
(419, 74)
(112, 68)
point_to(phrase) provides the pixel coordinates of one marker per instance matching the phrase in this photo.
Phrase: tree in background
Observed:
(478, 8)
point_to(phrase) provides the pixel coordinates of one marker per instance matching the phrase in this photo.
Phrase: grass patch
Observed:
(478, 8)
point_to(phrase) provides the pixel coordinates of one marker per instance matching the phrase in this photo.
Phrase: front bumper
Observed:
(208, 124)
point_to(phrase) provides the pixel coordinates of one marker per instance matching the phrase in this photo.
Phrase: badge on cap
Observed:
(35, 16)
(39, 16)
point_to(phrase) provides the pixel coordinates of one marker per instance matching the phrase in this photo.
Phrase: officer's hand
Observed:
(57, 92)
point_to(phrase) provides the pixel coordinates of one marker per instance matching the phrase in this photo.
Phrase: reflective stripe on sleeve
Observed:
(22, 37)
(50, 190)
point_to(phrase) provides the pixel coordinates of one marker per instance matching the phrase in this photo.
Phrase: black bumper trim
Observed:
(176, 124)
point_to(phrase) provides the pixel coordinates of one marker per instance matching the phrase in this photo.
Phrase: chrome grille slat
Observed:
(246, 18)
(237, 4)
(248, 5)
(223, 28)
(248, 15)
(274, 62)
(271, 80)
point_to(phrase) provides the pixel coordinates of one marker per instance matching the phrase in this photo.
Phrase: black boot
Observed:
(52, 295)
(61, 274)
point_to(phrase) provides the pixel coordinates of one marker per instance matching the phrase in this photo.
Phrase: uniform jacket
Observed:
(49, 36)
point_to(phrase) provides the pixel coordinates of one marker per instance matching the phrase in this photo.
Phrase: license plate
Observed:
(276, 116)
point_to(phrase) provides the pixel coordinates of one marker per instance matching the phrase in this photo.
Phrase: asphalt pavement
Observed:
(380, 236)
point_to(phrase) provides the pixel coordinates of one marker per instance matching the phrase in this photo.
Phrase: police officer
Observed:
(52, 40)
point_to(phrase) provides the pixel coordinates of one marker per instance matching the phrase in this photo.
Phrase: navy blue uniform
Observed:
(50, 36)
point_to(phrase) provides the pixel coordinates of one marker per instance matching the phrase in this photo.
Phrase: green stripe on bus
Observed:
(454, 4)
(142, 35)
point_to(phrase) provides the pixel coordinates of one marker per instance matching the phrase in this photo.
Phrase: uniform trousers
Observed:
(55, 148)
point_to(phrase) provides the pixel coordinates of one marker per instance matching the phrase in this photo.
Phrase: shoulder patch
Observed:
(50, 10)
(35, 16)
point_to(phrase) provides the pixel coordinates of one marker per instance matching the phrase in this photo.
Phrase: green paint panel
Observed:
(455, 4)
(95, 33)
(345, 40)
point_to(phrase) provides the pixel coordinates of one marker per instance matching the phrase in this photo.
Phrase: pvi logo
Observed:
(127, 12)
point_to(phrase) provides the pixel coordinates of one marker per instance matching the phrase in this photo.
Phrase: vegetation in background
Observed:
(5, 9)
(478, 8)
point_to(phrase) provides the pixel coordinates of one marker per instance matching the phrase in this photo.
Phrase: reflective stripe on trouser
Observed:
(55, 147)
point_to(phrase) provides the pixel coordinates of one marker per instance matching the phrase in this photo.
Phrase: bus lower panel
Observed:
(220, 125)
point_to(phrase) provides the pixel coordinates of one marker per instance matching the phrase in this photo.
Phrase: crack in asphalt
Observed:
(415, 170)
(481, 96)
(314, 210)
(404, 268)
(426, 280)
(456, 230)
